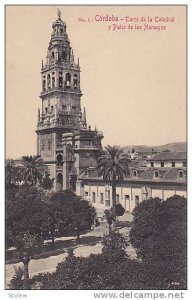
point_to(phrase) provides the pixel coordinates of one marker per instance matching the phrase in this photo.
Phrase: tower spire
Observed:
(84, 117)
(59, 13)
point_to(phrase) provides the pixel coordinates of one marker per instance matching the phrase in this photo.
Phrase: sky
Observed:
(133, 81)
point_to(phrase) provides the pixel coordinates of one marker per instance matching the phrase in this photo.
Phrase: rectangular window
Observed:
(173, 164)
(156, 174)
(86, 194)
(152, 164)
(117, 197)
(162, 164)
(93, 197)
(46, 109)
(136, 200)
(101, 198)
(126, 197)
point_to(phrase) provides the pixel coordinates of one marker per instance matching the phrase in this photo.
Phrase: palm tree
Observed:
(34, 169)
(113, 166)
(11, 172)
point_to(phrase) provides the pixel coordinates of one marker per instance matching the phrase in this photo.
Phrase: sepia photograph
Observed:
(96, 148)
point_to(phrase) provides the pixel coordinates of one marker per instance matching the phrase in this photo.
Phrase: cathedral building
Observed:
(64, 140)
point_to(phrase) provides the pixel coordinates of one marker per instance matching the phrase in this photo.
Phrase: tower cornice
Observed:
(57, 91)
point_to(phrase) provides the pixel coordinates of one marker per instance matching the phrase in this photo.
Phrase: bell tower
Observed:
(63, 137)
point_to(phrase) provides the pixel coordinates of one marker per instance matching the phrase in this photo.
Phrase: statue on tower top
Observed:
(59, 13)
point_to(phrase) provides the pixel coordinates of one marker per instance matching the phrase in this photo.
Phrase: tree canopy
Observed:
(26, 212)
(69, 214)
(28, 208)
(158, 225)
(31, 170)
(159, 229)
(159, 234)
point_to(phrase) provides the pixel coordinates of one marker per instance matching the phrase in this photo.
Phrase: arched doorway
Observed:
(59, 181)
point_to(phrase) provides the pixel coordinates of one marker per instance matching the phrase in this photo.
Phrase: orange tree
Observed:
(159, 235)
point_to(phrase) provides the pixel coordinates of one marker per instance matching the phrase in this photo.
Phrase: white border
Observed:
(5, 294)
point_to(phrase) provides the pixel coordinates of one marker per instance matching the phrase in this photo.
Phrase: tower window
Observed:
(64, 55)
(53, 82)
(173, 164)
(49, 144)
(59, 181)
(42, 145)
(44, 85)
(75, 83)
(68, 79)
(162, 164)
(46, 109)
(59, 160)
(52, 108)
(134, 173)
(48, 81)
(60, 81)
(61, 30)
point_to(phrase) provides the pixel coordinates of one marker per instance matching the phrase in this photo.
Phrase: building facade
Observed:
(145, 181)
(64, 141)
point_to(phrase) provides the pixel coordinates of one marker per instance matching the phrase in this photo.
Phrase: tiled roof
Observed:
(169, 156)
(137, 164)
(149, 173)
(164, 174)
(173, 174)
